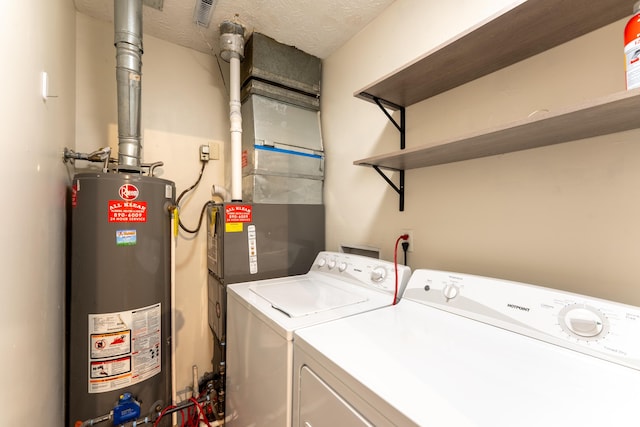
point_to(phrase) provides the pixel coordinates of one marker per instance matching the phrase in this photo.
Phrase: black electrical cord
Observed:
(182, 226)
(196, 230)
(395, 265)
(405, 248)
(193, 186)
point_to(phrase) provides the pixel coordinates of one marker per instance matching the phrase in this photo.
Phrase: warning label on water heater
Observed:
(124, 348)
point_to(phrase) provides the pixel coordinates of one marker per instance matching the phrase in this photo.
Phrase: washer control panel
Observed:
(597, 327)
(365, 271)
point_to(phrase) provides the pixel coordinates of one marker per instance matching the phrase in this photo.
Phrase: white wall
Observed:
(184, 105)
(34, 37)
(563, 216)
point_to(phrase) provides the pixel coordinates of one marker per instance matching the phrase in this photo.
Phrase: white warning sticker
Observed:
(253, 249)
(124, 348)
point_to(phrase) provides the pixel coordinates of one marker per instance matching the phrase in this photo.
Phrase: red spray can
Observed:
(632, 48)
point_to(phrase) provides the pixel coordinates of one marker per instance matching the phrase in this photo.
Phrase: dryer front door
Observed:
(321, 406)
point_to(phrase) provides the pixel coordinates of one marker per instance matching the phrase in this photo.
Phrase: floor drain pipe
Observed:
(232, 51)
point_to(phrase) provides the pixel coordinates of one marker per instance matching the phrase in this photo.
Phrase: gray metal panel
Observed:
(217, 306)
(259, 87)
(282, 160)
(270, 60)
(289, 236)
(259, 188)
(110, 278)
(274, 122)
(216, 252)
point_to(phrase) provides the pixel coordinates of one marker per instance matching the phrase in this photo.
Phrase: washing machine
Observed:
(462, 350)
(263, 315)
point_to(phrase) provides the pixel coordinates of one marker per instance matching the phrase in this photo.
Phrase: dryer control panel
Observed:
(369, 272)
(593, 326)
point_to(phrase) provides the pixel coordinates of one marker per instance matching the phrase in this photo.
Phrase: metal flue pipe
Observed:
(128, 42)
(232, 51)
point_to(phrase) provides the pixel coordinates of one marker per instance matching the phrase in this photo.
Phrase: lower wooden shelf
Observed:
(614, 113)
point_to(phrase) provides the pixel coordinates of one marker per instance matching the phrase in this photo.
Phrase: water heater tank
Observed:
(120, 296)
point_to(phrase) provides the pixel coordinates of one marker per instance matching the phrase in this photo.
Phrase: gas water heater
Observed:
(119, 318)
(119, 301)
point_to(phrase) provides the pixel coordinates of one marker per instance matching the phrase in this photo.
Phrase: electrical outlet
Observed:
(204, 152)
(410, 240)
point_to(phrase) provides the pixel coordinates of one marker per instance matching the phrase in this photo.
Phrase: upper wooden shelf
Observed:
(614, 113)
(525, 29)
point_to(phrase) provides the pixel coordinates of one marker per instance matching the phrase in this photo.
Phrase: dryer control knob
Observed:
(583, 322)
(342, 267)
(450, 291)
(331, 264)
(378, 274)
(322, 262)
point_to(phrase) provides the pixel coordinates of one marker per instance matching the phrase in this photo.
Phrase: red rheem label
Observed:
(128, 192)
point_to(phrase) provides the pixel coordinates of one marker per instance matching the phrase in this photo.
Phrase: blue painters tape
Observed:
(283, 151)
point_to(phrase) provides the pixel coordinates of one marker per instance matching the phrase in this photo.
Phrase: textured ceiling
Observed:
(317, 27)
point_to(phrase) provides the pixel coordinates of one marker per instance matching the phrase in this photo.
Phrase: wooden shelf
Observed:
(527, 28)
(524, 29)
(614, 113)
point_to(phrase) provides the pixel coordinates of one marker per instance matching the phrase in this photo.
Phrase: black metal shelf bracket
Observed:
(384, 106)
(399, 189)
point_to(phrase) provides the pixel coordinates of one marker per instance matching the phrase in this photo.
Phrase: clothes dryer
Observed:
(463, 350)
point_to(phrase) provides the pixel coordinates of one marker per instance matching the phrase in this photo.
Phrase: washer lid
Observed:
(305, 297)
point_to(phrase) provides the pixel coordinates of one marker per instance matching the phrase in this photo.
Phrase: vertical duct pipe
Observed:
(127, 20)
(232, 51)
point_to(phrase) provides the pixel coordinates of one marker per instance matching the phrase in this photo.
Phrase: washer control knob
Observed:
(342, 267)
(331, 264)
(584, 322)
(322, 262)
(378, 274)
(450, 291)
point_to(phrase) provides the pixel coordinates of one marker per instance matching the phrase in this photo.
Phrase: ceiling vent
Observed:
(203, 11)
